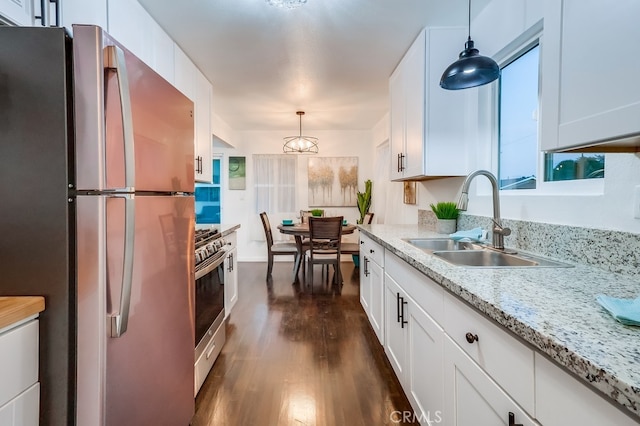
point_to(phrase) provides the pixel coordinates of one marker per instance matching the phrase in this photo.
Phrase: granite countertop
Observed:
(553, 309)
(15, 309)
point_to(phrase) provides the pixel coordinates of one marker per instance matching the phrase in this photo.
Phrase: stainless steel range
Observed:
(209, 274)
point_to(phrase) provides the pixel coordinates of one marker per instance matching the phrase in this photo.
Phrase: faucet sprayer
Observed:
(499, 231)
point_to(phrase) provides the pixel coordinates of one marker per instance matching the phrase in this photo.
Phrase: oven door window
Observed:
(209, 300)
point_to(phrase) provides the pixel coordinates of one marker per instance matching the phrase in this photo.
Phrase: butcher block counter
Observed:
(14, 309)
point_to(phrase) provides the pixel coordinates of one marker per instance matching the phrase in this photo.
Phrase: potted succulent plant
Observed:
(317, 212)
(364, 200)
(447, 214)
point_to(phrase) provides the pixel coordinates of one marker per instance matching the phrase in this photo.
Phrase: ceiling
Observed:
(330, 58)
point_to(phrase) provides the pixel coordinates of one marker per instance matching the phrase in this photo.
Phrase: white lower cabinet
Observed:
(413, 343)
(563, 400)
(505, 359)
(376, 302)
(459, 368)
(472, 398)
(230, 274)
(372, 283)
(19, 387)
(395, 342)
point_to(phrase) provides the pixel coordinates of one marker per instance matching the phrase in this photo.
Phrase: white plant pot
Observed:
(446, 226)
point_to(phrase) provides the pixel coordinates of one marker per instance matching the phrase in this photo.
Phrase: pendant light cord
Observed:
(469, 26)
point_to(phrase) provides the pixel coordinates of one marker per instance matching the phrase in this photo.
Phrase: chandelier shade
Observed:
(300, 144)
(286, 4)
(471, 69)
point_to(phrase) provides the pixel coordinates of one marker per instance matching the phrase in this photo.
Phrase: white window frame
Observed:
(510, 53)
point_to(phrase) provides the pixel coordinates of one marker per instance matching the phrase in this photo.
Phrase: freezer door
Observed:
(149, 367)
(128, 120)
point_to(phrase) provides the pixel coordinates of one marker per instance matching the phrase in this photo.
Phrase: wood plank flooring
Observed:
(294, 356)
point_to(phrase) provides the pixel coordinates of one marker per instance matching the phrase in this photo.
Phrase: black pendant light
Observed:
(471, 69)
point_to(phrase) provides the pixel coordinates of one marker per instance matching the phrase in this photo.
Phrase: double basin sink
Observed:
(475, 255)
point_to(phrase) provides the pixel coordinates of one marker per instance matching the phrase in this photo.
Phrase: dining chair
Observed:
(275, 249)
(324, 235)
(354, 248)
(306, 214)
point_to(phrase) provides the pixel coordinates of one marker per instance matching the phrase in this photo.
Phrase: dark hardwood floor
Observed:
(299, 357)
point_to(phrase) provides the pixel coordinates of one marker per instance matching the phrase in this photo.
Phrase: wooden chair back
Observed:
(267, 229)
(325, 234)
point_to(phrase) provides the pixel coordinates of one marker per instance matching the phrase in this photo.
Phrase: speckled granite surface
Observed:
(553, 309)
(613, 251)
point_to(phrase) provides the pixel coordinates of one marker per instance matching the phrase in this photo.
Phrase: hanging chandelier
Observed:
(286, 4)
(471, 69)
(300, 144)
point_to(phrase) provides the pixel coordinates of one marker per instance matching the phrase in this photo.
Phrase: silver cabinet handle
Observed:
(114, 60)
(120, 320)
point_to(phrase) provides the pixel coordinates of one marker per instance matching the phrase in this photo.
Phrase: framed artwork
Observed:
(237, 173)
(333, 181)
(409, 192)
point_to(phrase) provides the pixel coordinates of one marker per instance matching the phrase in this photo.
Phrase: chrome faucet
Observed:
(499, 231)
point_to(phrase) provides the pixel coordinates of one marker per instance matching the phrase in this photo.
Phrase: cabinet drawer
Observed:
(373, 250)
(563, 400)
(426, 292)
(503, 357)
(232, 240)
(18, 360)
(23, 410)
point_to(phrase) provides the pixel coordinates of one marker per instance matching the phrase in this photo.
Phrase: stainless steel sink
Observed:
(487, 258)
(433, 244)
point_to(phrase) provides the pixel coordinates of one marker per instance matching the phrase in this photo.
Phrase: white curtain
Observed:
(275, 189)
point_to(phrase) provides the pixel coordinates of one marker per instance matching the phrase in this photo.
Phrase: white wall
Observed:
(239, 206)
(607, 204)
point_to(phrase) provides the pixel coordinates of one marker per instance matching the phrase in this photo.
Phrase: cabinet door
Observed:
(92, 12)
(563, 400)
(20, 12)
(230, 282)
(445, 118)
(397, 120)
(365, 282)
(425, 359)
(376, 301)
(472, 398)
(130, 24)
(584, 104)
(184, 73)
(414, 82)
(162, 53)
(204, 170)
(395, 332)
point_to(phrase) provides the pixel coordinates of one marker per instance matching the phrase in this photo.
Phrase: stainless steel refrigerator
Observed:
(96, 214)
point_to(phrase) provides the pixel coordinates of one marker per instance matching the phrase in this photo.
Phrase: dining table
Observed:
(300, 231)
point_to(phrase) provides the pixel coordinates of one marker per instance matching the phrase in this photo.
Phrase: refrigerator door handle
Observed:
(120, 320)
(114, 60)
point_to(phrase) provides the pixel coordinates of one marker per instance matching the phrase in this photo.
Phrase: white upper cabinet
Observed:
(91, 12)
(184, 73)
(204, 167)
(18, 12)
(194, 85)
(130, 24)
(162, 55)
(590, 87)
(428, 136)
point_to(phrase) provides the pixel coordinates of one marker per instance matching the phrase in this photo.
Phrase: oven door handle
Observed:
(204, 271)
